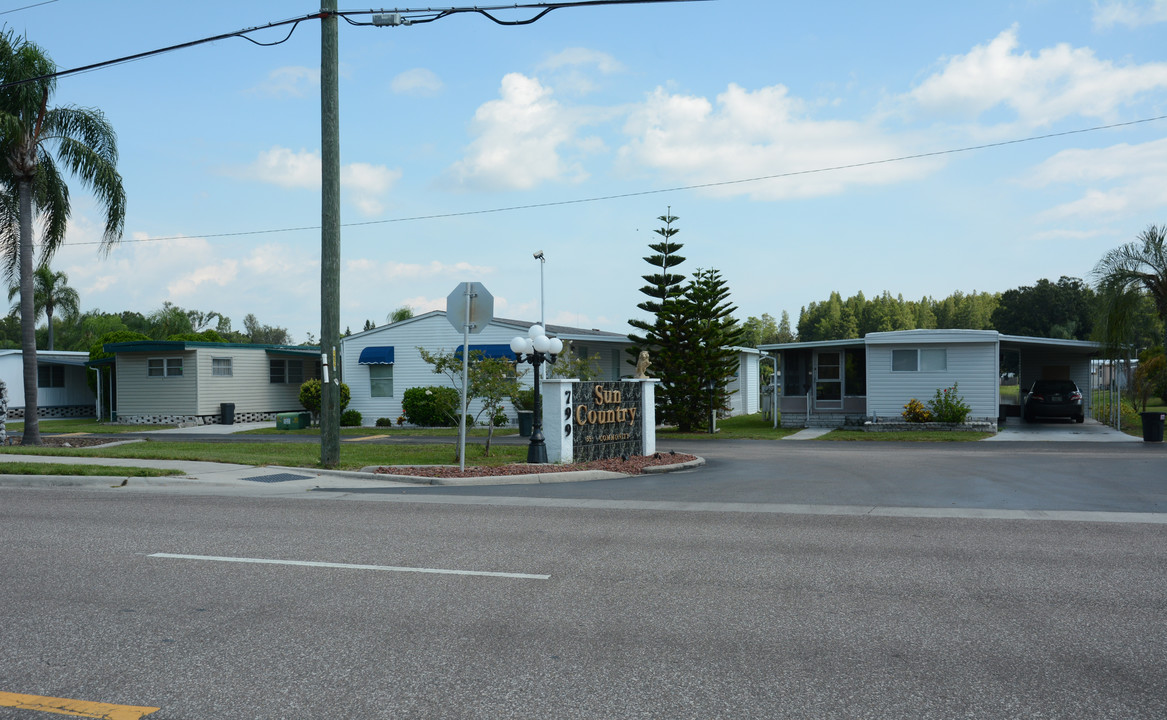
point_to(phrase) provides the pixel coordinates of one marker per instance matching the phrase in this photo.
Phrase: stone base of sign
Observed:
(594, 421)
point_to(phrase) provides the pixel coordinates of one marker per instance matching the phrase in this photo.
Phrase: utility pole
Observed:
(329, 236)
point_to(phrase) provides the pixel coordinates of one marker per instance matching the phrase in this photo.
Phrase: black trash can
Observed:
(1153, 426)
(526, 422)
(227, 413)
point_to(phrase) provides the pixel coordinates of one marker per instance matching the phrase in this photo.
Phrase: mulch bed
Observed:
(65, 442)
(634, 465)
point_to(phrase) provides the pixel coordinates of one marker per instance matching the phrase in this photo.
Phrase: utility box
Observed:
(293, 420)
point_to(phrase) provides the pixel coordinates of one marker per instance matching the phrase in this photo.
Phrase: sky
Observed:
(772, 130)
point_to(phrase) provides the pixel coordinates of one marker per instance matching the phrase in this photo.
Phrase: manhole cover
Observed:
(278, 477)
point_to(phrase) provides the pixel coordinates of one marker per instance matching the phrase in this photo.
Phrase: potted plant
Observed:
(524, 402)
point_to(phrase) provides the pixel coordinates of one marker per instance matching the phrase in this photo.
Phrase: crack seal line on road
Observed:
(350, 566)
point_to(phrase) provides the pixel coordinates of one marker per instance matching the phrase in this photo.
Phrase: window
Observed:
(933, 360)
(50, 376)
(381, 380)
(164, 367)
(925, 360)
(904, 360)
(277, 371)
(221, 367)
(286, 371)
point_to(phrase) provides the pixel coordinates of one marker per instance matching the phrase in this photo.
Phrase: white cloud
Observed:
(419, 82)
(287, 168)
(756, 134)
(521, 138)
(1040, 89)
(573, 57)
(290, 81)
(366, 183)
(1118, 179)
(390, 270)
(1132, 14)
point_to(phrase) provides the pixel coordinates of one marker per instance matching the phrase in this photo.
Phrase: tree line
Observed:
(1068, 309)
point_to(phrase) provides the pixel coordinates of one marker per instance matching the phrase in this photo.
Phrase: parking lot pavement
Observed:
(1057, 430)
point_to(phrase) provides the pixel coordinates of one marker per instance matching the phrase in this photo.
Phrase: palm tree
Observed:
(1128, 271)
(37, 143)
(50, 291)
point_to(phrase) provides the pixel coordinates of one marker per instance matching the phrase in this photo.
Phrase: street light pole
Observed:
(536, 349)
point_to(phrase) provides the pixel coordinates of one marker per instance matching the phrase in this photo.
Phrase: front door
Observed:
(828, 380)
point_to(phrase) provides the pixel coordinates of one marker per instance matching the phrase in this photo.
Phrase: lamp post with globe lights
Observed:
(536, 349)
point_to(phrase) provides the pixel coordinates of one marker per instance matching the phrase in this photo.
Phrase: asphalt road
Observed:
(1010, 476)
(631, 613)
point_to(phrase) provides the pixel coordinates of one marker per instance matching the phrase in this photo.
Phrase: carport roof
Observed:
(1083, 347)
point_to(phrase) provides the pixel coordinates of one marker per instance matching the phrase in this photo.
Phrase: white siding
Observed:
(433, 332)
(249, 385)
(139, 394)
(75, 392)
(744, 388)
(972, 365)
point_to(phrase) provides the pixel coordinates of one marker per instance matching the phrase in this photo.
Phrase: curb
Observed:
(527, 479)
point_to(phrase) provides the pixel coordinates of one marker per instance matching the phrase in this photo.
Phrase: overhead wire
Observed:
(659, 191)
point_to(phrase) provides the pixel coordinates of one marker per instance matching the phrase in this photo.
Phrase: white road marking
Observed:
(349, 566)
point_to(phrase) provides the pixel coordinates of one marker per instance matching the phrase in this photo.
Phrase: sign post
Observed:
(469, 308)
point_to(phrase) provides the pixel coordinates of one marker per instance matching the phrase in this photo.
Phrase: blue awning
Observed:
(376, 356)
(489, 351)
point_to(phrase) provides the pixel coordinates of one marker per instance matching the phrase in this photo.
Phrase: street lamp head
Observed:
(539, 255)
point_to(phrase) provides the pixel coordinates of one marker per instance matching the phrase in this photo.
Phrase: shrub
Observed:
(434, 406)
(350, 418)
(948, 406)
(1129, 414)
(310, 396)
(524, 399)
(915, 412)
(499, 419)
(384, 422)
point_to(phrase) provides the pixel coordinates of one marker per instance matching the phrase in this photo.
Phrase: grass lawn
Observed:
(84, 426)
(742, 427)
(394, 431)
(905, 436)
(39, 468)
(353, 456)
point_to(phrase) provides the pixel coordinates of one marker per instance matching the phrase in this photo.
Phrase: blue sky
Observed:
(461, 116)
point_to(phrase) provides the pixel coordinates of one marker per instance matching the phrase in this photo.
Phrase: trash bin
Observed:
(226, 413)
(1153, 426)
(526, 422)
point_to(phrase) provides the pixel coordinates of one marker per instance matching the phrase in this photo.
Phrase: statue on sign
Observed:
(642, 364)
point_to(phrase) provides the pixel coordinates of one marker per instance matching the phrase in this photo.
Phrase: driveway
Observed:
(1058, 430)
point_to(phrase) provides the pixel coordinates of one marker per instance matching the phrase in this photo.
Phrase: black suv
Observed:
(1054, 398)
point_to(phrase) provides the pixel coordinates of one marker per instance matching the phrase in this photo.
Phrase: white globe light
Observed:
(556, 346)
(518, 344)
(542, 344)
(536, 331)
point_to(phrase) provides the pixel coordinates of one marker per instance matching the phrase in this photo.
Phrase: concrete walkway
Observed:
(1060, 431)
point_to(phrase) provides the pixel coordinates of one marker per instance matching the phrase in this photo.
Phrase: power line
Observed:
(26, 7)
(659, 191)
(408, 17)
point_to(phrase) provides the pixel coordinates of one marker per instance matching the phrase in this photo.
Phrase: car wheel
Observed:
(1080, 419)
(1028, 417)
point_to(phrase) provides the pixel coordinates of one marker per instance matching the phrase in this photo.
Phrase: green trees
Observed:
(690, 327)
(38, 144)
(1125, 276)
(1056, 310)
(491, 380)
(50, 291)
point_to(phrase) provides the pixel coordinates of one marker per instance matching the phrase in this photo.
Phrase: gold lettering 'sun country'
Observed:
(76, 708)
